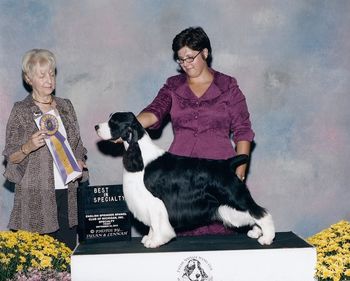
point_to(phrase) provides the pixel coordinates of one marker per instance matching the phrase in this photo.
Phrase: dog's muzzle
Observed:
(103, 131)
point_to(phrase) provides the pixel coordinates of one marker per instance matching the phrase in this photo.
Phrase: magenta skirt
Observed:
(211, 229)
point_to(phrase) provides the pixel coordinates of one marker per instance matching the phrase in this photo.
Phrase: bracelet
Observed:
(22, 150)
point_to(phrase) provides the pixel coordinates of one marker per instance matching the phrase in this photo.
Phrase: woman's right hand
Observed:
(36, 141)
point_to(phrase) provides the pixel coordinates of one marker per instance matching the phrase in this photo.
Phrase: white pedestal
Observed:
(221, 258)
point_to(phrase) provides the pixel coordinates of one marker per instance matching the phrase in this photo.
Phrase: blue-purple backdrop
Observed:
(291, 59)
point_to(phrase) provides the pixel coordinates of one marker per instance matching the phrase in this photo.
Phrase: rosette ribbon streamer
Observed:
(62, 155)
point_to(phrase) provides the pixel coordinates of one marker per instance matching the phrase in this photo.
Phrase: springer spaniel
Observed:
(167, 192)
(194, 272)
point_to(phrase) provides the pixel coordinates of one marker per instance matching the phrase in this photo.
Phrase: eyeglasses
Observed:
(188, 60)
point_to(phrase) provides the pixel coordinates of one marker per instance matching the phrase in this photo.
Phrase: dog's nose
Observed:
(97, 127)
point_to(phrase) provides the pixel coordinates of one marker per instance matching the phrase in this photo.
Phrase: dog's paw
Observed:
(255, 232)
(265, 240)
(151, 243)
(144, 239)
(155, 241)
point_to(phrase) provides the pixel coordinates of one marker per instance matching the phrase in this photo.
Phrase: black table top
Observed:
(193, 243)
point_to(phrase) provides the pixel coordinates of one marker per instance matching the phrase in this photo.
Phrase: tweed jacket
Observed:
(34, 206)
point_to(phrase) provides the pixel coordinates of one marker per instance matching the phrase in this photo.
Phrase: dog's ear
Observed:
(203, 273)
(132, 158)
(187, 271)
(137, 129)
(238, 160)
(127, 135)
(133, 135)
(133, 132)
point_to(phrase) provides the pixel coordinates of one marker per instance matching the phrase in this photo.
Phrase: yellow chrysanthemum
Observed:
(22, 259)
(22, 249)
(5, 261)
(34, 263)
(45, 262)
(347, 272)
(333, 251)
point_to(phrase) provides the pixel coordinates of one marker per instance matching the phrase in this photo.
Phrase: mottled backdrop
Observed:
(291, 59)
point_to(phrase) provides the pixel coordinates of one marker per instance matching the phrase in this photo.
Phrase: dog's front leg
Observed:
(148, 236)
(268, 229)
(161, 231)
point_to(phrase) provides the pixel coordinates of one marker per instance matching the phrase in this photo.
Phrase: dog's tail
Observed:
(238, 160)
(246, 201)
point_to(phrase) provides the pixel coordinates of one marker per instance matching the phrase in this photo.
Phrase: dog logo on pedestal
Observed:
(194, 269)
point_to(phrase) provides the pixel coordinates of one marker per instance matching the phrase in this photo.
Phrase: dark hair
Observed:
(194, 38)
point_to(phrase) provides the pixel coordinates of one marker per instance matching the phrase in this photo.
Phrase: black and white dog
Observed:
(167, 192)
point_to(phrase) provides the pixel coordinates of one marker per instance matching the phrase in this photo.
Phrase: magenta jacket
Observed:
(203, 126)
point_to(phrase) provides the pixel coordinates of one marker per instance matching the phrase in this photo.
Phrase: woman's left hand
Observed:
(240, 172)
(82, 165)
(243, 147)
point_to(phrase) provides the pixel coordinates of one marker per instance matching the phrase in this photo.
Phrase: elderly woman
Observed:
(206, 108)
(43, 203)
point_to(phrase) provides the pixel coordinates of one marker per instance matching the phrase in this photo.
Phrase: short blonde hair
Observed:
(34, 56)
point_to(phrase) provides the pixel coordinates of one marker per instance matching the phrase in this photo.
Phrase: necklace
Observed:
(49, 102)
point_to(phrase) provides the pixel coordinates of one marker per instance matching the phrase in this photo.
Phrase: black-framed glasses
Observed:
(188, 59)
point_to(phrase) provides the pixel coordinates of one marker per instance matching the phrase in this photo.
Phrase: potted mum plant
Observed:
(24, 254)
(333, 252)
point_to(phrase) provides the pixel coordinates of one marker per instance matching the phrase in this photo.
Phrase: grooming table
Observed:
(233, 257)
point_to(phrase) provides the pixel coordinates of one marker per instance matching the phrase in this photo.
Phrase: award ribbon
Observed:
(63, 158)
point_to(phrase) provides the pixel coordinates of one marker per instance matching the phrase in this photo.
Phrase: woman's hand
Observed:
(82, 164)
(240, 172)
(117, 140)
(243, 147)
(36, 141)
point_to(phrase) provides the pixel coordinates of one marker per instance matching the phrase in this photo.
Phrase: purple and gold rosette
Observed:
(49, 122)
(63, 157)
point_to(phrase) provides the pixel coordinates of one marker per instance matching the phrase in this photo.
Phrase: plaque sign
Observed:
(103, 214)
